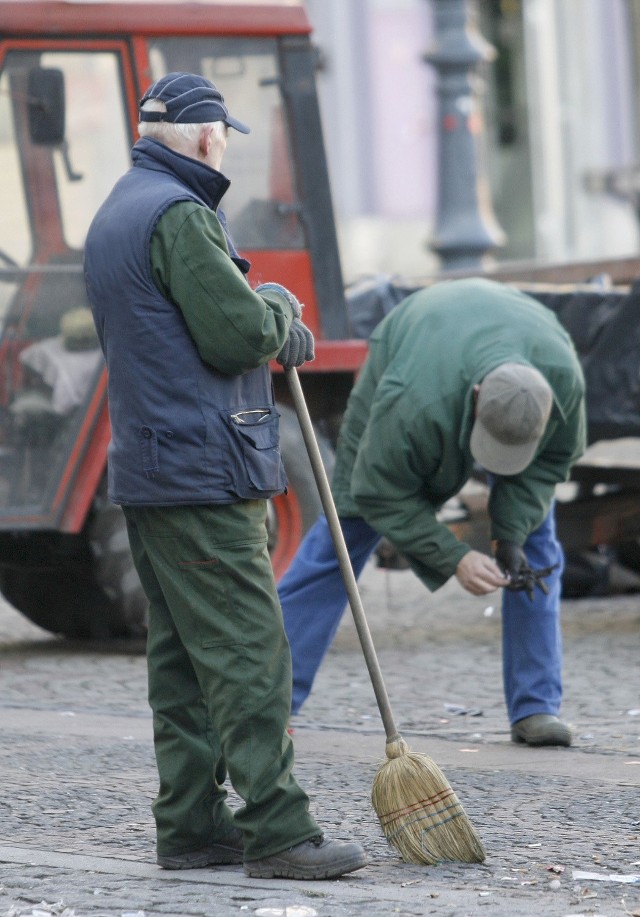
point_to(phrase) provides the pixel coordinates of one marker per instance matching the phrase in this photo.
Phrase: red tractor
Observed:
(71, 75)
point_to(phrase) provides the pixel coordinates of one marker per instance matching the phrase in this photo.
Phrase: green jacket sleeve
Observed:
(519, 504)
(234, 328)
(387, 484)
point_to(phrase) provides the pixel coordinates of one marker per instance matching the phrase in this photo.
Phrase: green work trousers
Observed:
(219, 678)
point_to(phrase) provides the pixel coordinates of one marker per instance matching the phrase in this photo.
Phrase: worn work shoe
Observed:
(541, 729)
(316, 858)
(227, 852)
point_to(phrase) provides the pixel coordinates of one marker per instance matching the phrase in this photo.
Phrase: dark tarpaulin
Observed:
(604, 325)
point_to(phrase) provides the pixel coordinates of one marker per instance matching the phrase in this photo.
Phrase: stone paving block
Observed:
(78, 774)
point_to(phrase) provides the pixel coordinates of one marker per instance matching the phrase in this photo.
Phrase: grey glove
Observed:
(298, 348)
(296, 306)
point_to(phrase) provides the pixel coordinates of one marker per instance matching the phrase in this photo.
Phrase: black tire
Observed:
(112, 567)
(86, 586)
(49, 577)
(82, 586)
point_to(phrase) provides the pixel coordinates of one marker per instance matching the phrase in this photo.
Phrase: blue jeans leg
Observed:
(531, 635)
(313, 596)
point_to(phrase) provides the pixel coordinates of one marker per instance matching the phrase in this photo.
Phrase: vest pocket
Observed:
(149, 449)
(256, 441)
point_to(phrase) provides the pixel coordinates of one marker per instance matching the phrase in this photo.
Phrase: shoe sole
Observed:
(225, 856)
(283, 870)
(550, 738)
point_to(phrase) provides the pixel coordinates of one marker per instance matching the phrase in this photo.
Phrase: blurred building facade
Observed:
(559, 102)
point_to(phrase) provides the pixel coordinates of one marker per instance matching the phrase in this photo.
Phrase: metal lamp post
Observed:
(466, 228)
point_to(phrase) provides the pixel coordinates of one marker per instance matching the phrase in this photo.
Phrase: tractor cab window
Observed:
(261, 204)
(15, 244)
(96, 146)
(63, 143)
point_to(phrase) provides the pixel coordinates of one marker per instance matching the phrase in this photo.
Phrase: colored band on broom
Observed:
(408, 788)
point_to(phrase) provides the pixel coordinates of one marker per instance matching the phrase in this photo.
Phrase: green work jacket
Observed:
(403, 449)
(234, 328)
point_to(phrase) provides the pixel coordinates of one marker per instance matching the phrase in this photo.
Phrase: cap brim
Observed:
(237, 125)
(498, 458)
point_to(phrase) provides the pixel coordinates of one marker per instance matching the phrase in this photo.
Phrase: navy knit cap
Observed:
(190, 99)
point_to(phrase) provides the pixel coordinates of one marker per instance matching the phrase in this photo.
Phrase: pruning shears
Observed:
(527, 580)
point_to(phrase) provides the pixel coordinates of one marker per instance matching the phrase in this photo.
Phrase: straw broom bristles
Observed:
(419, 812)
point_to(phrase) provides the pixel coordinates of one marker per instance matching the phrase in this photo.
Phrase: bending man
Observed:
(463, 371)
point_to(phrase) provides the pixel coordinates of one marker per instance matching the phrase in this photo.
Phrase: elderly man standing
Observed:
(192, 460)
(462, 371)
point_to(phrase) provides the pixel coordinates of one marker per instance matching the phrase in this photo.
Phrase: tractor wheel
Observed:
(289, 517)
(81, 586)
(114, 573)
(86, 586)
(49, 577)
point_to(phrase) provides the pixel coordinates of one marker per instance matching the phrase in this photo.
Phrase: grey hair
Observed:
(175, 135)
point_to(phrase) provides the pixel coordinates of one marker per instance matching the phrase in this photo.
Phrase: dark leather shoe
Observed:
(227, 852)
(541, 729)
(316, 858)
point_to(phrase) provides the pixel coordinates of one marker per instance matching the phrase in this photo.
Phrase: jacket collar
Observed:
(206, 182)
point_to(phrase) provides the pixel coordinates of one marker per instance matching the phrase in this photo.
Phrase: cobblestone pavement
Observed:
(78, 775)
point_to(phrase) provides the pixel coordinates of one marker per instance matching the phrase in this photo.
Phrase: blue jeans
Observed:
(313, 600)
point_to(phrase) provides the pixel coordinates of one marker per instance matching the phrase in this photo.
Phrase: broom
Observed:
(418, 810)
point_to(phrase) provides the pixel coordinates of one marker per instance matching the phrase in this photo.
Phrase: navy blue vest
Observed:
(181, 432)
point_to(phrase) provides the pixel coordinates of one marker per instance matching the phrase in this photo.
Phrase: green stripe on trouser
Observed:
(219, 678)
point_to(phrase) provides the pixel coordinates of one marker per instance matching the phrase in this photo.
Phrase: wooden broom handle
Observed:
(344, 560)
